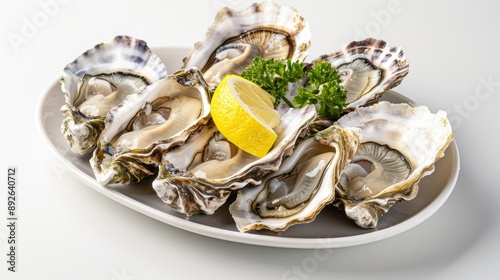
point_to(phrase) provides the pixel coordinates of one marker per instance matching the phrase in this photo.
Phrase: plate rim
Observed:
(245, 238)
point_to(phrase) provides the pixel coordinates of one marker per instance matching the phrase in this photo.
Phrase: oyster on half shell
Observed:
(100, 79)
(367, 69)
(399, 146)
(263, 29)
(199, 176)
(140, 129)
(303, 185)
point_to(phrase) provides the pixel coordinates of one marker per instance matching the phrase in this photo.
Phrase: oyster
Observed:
(367, 69)
(140, 129)
(399, 146)
(302, 186)
(199, 176)
(263, 29)
(100, 79)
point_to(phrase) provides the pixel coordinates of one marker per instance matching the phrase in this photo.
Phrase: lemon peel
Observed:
(244, 113)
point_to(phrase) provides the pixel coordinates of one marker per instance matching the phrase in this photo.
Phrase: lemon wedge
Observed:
(244, 113)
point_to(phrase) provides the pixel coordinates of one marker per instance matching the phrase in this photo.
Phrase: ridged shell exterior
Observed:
(416, 137)
(124, 57)
(238, 26)
(335, 146)
(189, 193)
(118, 165)
(368, 69)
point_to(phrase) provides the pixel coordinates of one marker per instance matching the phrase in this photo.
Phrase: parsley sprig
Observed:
(323, 88)
(274, 76)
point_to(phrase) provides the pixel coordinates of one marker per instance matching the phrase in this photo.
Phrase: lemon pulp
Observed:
(244, 113)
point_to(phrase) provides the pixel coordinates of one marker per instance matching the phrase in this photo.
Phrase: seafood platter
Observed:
(139, 126)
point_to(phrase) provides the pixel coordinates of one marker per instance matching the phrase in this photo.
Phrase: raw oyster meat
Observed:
(399, 146)
(368, 69)
(140, 129)
(263, 29)
(100, 79)
(302, 186)
(199, 176)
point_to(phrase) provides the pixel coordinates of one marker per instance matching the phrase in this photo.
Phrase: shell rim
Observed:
(235, 236)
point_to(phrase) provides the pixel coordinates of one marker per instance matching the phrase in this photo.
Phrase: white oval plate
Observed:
(330, 228)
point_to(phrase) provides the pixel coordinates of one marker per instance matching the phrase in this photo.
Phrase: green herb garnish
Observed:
(274, 76)
(323, 88)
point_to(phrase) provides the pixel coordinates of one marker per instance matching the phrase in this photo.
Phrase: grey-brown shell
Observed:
(140, 129)
(263, 29)
(199, 176)
(303, 185)
(100, 79)
(399, 146)
(368, 69)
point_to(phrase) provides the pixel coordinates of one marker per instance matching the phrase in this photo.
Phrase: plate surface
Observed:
(330, 228)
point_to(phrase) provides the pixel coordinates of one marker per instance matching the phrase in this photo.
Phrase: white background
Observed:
(68, 231)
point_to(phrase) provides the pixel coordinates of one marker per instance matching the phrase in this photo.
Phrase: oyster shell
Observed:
(399, 146)
(140, 129)
(302, 186)
(263, 29)
(100, 79)
(199, 176)
(368, 69)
